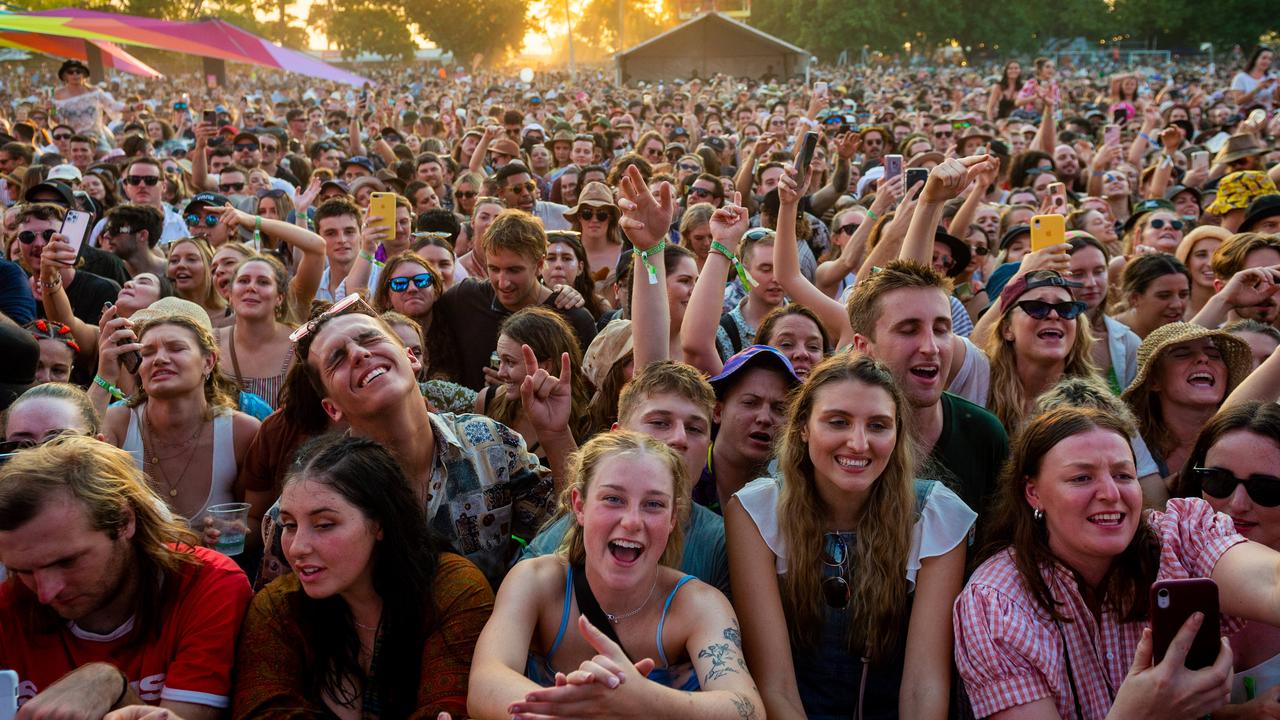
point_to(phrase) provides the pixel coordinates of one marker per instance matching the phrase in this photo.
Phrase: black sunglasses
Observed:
(150, 180)
(61, 136)
(1039, 309)
(1160, 222)
(465, 194)
(246, 146)
(848, 228)
(1216, 482)
(835, 588)
(702, 192)
(26, 237)
(979, 250)
(401, 284)
(209, 220)
(231, 187)
(588, 214)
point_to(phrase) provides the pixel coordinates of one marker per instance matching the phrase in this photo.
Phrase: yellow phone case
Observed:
(1047, 230)
(383, 205)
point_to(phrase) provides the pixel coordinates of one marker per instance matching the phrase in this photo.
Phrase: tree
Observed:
(486, 29)
(359, 26)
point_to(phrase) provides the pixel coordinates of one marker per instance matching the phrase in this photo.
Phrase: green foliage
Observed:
(356, 26)
(471, 29)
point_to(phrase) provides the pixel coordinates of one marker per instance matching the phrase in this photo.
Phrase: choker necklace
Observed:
(615, 619)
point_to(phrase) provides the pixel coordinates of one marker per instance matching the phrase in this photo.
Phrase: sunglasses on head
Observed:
(150, 180)
(310, 326)
(401, 284)
(231, 187)
(1263, 490)
(194, 220)
(246, 146)
(600, 214)
(835, 588)
(1159, 223)
(26, 237)
(1039, 309)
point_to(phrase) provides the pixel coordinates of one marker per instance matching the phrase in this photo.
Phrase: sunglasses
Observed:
(61, 136)
(116, 231)
(401, 284)
(848, 228)
(26, 237)
(1039, 309)
(231, 187)
(688, 168)
(701, 192)
(150, 180)
(980, 250)
(1216, 482)
(193, 220)
(757, 234)
(1161, 222)
(465, 194)
(268, 148)
(528, 187)
(242, 147)
(835, 588)
(338, 308)
(943, 134)
(947, 262)
(588, 214)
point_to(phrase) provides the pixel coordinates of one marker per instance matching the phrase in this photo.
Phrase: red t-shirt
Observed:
(190, 660)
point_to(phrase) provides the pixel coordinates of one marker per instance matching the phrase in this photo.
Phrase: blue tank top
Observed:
(538, 668)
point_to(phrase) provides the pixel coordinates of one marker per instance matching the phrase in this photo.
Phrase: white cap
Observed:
(65, 172)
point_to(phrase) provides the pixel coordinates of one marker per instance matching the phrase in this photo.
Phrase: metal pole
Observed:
(568, 24)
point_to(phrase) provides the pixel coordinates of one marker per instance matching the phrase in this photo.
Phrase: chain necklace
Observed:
(615, 619)
(153, 459)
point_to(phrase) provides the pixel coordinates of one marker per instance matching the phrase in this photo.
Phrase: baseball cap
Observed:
(204, 199)
(754, 356)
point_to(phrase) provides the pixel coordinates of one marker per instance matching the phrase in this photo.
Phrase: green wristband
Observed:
(112, 390)
(747, 281)
(648, 265)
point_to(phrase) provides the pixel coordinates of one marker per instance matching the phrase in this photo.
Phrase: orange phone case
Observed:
(1047, 230)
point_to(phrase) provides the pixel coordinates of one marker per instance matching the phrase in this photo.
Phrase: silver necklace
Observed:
(615, 619)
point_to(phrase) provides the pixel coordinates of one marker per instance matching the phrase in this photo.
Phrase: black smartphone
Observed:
(131, 360)
(1172, 602)
(916, 175)
(209, 116)
(805, 157)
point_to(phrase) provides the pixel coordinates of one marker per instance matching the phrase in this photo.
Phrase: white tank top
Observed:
(224, 460)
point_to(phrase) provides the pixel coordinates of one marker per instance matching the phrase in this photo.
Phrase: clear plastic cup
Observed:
(231, 520)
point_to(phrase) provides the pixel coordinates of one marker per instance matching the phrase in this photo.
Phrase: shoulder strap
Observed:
(590, 607)
(235, 362)
(731, 329)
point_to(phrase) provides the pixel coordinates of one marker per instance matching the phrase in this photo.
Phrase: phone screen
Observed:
(209, 116)
(75, 227)
(892, 166)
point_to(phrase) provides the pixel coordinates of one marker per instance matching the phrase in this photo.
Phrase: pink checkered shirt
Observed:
(1010, 652)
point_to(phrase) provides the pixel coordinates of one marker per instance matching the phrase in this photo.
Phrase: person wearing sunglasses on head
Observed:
(868, 559)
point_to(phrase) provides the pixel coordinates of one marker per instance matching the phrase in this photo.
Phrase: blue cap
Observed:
(762, 356)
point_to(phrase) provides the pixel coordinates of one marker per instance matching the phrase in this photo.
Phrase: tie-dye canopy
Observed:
(206, 38)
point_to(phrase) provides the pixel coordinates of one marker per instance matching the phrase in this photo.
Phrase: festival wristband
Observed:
(112, 390)
(747, 281)
(368, 256)
(257, 233)
(648, 265)
(871, 215)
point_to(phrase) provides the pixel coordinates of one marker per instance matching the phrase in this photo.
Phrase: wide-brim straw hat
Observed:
(1235, 353)
(168, 308)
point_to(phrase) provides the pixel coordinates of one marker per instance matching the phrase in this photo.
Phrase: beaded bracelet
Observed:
(747, 281)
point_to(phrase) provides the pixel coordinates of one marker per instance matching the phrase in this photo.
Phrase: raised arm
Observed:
(645, 218)
(306, 280)
(57, 306)
(1247, 288)
(945, 182)
(476, 164)
(702, 317)
(199, 159)
(847, 145)
(892, 234)
(829, 274)
(1047, 134)
(786, 264)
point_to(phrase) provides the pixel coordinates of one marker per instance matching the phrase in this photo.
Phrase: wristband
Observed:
(257, 233)
(112, 390)
(747, 281)
(1099, 173)
(1150, 140)
(368, 256)
(648, 266)
(871, 215)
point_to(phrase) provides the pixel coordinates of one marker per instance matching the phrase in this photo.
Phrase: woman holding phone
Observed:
(1051, 625)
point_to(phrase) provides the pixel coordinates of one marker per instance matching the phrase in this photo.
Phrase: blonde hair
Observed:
(219, 390)
(878, 605)
(211, 299)
(582, 470)
(1008, 400)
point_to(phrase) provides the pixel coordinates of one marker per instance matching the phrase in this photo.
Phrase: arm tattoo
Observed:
(746, 709)
(726, 657)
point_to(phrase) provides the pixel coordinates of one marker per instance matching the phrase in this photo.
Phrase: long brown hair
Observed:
(549, 336)
(1261, 419)
(878, 605)
(1014, 526)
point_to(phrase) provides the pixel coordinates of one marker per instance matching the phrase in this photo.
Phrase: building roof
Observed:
(714, 17)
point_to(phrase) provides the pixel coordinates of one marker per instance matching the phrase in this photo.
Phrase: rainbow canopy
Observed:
(113, 56)
(206, 38)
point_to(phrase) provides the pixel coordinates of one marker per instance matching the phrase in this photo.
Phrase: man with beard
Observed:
(113, 602)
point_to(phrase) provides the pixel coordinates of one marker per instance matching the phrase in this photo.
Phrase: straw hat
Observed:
(595, 195)
(612, 344)
(1235, 353)
(1204, 232)
(171, 307)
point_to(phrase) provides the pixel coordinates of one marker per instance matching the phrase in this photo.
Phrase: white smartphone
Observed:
(75, 227)
(820, 88)
(1200, 160)
(8, 694)
(892, 166)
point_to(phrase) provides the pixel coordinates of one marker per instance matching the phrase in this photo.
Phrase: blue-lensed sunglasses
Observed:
(400, 284)
(209, 220)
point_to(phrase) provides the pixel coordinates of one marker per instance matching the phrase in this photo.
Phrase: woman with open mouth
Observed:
(845, 569)
(190, 271)
(608, 626)
(1053, 623)
(1185, 371)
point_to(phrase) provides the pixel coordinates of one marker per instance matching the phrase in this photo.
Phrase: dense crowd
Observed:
(889, 393)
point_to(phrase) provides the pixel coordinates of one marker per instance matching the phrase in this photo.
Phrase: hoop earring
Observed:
(1038, 514)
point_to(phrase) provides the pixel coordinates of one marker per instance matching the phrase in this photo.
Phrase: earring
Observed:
(1038, 514)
